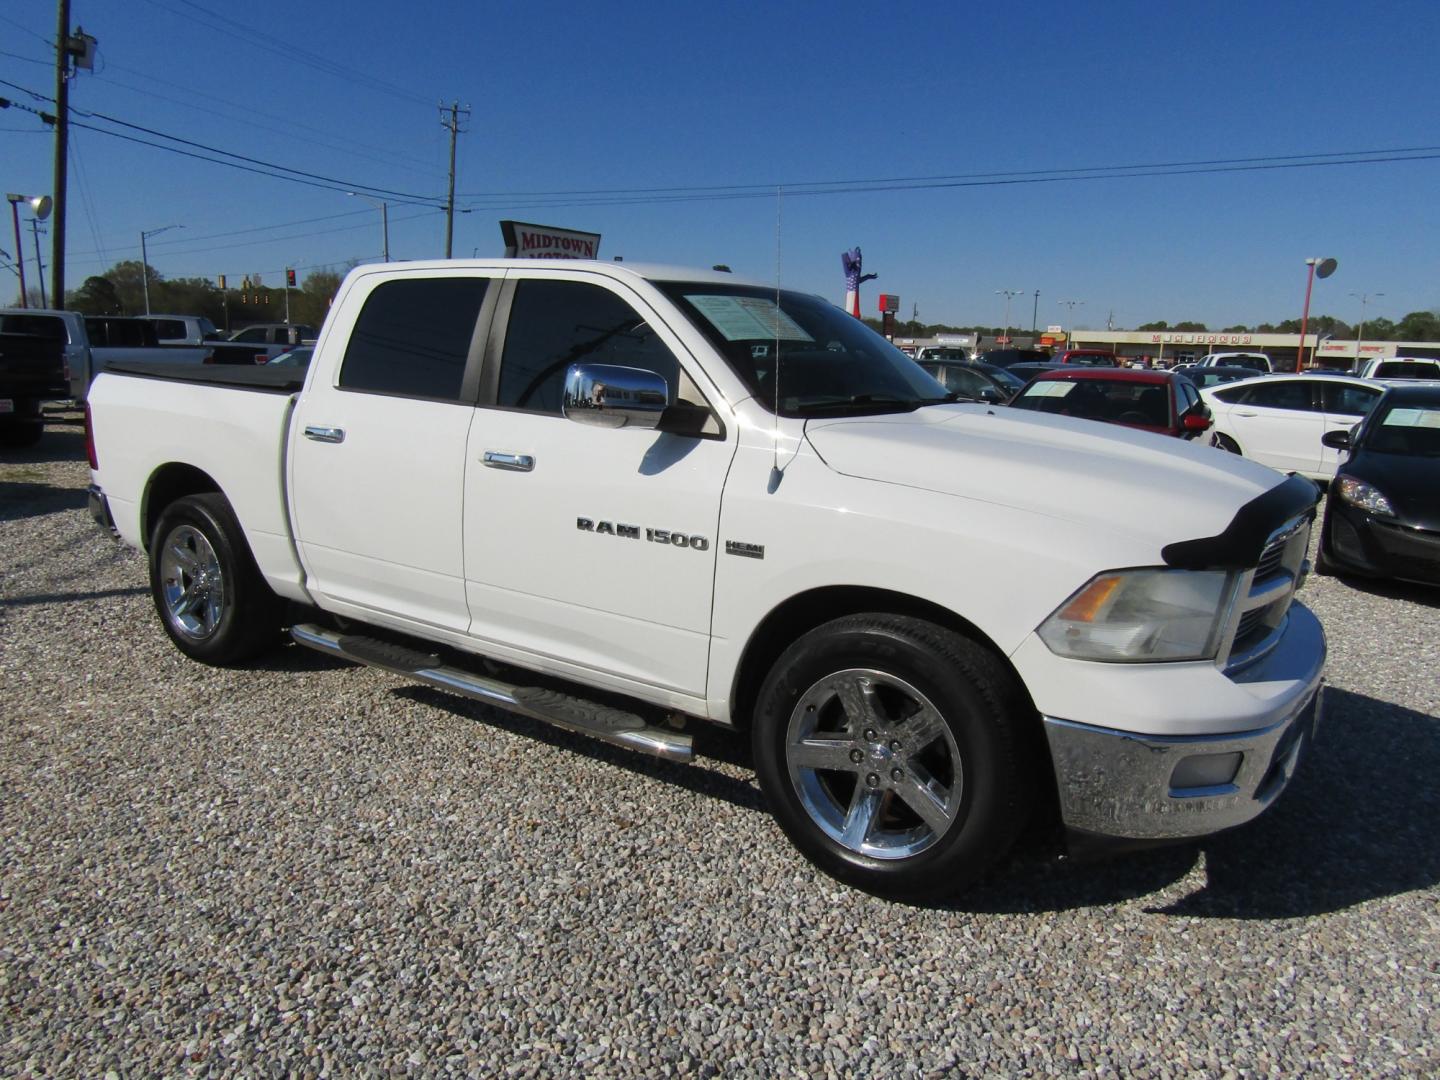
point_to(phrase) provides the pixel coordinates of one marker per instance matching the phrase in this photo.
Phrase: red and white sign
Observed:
(889, 302)
(525, 241)
(1002, 341)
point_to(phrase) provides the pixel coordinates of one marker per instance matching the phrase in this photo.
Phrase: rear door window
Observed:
(414, 337)
(1292, 394)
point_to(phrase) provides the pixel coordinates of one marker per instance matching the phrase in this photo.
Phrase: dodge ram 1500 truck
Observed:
(621, 497)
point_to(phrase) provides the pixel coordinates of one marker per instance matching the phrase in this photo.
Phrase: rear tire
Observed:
(890, 751)
(207, 589)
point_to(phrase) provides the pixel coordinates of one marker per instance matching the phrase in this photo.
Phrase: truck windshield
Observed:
(802, 354)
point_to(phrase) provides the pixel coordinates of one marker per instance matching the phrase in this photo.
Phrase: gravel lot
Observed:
(313, 869)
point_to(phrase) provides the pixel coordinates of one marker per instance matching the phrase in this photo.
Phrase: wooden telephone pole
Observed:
(452, 123)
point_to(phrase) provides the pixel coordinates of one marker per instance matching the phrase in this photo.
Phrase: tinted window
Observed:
(554, 324)
(413, 337)
(1348, 399)
(1407, 369)
(168, 328)
(1280, 394)
(255, 335)
(46, 326)
(1188, 395)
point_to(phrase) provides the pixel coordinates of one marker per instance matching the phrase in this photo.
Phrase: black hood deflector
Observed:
(1241, 544)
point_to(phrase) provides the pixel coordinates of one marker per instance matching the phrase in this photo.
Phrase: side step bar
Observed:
(572, 713)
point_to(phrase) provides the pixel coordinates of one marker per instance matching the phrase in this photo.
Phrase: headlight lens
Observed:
(1130, 616)
(1366, 496)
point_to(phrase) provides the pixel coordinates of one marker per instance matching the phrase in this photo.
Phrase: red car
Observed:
(1158, 401)
(1088, 358)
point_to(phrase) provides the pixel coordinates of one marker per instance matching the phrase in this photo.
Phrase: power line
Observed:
(223, 24)
(333, 183)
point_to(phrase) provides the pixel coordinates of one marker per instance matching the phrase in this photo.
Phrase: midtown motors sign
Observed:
(526, 241)
(1202, 339)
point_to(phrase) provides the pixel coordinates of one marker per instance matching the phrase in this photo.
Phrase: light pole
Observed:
(1070, 306)
(1034, 317)
(145, 234)
(1009, 295)
(1360, 331)
(1321, 268)
(384, 219)
(40, 208)
(39, 266)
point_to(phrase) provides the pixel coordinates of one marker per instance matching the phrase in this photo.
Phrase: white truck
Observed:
(624, 499)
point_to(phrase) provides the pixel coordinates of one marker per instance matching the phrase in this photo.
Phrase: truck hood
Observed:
(1116, 479)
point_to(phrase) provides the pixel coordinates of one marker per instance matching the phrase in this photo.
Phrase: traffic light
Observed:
(222, 282)
(289, 279)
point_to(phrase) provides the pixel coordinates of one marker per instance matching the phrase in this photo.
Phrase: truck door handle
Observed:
(494, 459)
(325, 434)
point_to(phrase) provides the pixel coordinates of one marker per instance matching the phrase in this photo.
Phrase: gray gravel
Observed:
(313, 869)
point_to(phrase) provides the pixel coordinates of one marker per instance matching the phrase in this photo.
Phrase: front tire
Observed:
(207, 589)
(890, 752)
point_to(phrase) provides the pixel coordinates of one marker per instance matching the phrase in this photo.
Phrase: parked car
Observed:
(272, 339)
(1026, 372)
(32, 370)
(1203, 377)
(1157, 401)
(116, 338)
(1088, 357)
(981, 382)
(651, 494)
(1279, 420)
(1399, 367)
(1009, 357)
(1257, 360)
(1382, 518)
(183, 329)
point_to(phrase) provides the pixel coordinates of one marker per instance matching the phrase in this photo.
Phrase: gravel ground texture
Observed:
(306, 868)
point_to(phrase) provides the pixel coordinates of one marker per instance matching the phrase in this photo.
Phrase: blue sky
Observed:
(575, 97)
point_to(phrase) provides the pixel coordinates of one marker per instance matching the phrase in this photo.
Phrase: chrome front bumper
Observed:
(1132, 786)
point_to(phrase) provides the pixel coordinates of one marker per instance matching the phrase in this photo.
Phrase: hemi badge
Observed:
(750, 551)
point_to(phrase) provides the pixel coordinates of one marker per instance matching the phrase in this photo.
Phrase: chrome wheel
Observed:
(192, 583)
(874, 763)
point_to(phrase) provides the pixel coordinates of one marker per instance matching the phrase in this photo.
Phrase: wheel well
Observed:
(168, 483)
(802, 613)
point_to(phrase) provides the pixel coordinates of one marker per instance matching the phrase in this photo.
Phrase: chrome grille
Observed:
(1268, 591)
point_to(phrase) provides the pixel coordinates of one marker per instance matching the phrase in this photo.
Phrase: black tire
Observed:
(207, 589)
(1324, 566)
(1224, 442)
(964, 768)
(21, 433)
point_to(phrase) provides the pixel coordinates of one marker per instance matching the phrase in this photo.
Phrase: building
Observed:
(1171, 347)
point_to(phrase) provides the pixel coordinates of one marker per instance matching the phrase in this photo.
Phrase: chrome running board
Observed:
(591, 718)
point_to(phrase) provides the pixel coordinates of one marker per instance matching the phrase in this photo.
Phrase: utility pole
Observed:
(62, 150)
(452, 124)
(39, 266)
(1034, 313)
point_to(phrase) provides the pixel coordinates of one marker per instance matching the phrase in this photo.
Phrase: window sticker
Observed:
(1051, 388)
(748, 318)
(1423, 418)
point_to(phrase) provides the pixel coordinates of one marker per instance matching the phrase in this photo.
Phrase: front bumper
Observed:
(1128, 785)
(1360, 542)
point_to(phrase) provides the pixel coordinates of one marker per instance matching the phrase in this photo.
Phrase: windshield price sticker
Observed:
(1056, 388)
(748, 318)
(1425, 418)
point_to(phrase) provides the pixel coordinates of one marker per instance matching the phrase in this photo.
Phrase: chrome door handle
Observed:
(494, 459)
(1247, 414)
(325, 434)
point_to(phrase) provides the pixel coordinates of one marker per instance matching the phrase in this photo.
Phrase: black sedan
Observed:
(981, 382)
(1382, 518)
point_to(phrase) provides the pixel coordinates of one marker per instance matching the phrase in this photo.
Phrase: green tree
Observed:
(1190, 327)
(1418, 326)
(96, 297)
(1161, 325)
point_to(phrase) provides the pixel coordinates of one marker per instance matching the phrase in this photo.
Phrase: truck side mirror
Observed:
(608, 395)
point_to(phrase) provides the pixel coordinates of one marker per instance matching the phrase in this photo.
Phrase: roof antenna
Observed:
(776, 475)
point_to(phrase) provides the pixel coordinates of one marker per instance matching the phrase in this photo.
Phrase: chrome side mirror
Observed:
(607, 395)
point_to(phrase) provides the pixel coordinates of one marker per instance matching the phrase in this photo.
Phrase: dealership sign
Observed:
(525, 241)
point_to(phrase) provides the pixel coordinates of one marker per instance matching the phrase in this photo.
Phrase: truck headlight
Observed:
(1130, 616)
(1366, 496)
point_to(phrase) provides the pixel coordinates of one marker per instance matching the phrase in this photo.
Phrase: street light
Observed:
(40, 208)
(1360, 331)
(1321, 268)
(384, 218)
(1009, 295)
(145, 234)
(1070, 306)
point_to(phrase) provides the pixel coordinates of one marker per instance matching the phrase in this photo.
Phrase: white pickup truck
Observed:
(621, 498)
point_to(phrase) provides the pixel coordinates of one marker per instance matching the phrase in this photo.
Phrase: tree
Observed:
(1161, 325)
(1239, 328)
(1418, 326)
(1190, 327)
(96, 297)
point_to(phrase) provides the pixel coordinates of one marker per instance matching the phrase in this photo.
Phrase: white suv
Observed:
(1257, 360)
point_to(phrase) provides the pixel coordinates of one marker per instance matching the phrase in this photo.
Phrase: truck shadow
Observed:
(59, 443)
(1356, 824)
(21, 498)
